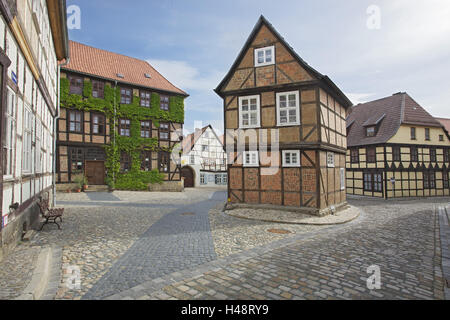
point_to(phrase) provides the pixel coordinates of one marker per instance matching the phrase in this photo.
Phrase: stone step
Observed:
(97, 189)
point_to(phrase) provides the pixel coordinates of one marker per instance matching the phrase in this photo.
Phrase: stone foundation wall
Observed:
(167, 186)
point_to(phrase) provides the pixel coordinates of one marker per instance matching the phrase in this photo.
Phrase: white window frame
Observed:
(265, 63)
(27, 140)
(192, 159)
(296, 108)
(253, 155)
(343, 178)
(258, 112)
(330, 164)
(10, 134)
(290, 152)
(202, 179)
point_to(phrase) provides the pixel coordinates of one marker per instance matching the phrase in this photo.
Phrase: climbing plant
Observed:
(110, 105)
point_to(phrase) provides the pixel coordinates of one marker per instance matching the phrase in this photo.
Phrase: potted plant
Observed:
(85, 183)
(79, 181)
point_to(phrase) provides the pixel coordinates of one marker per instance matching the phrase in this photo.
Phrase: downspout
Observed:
(55, 121)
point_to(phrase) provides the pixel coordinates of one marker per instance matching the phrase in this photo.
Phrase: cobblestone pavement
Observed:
(93, 238)
(401, 237)
(16, 271)
(179, 240)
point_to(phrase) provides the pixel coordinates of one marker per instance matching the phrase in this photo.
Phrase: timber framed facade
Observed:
(33, 40)
(83, 133)
(273, 98)
(407, 155)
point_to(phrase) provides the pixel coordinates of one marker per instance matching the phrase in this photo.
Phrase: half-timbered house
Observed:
(396, 149)
(109, 99)
(33, 39)
(273, 99)
(203, 159)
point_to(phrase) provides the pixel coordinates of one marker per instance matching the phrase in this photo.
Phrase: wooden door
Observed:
(95, 172)
(188, 176)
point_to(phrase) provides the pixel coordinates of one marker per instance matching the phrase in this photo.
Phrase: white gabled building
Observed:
(203, 159)
(33, 39)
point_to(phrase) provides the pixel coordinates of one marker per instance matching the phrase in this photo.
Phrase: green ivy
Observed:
(133, 145)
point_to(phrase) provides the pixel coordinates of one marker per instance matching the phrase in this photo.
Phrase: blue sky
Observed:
(194, 43)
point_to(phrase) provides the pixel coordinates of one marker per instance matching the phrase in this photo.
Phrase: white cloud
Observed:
(359, 97)
(185, 76)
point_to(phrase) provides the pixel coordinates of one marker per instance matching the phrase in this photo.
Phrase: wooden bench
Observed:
(50, 214)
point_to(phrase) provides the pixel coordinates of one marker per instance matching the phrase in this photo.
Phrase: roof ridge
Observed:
(116, 53)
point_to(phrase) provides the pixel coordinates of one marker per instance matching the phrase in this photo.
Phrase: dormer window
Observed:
(264, 56)
(370, 131)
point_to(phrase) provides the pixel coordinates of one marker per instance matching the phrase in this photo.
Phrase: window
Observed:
(202, 179)
(441, 137)
(413, 133)
(164, 131)
(76, 85)
(414, 154)
(373, 182)
(75, 121)
(446, 155)
(249, 112)
(429, 180)
(342, 178)
(433, 155)
(164, 103)
(145, 99)
(354, 156)
(291, 158)
(445, 178)
(27, 147)
(370, 131)
(124, 127)
(371, 155)
(192, 159)
(146, 129)
(427, 134)
(288, 108)
(125, 162)
(76, 160)
(205, 148)
(251, 159)
(98, 123)
(125, 96)
(38, 150)
(146, 163)
(10, 134)
(396, 155)
(218, 178)
(264, 56)
(224, 178)
(98, 88)
(164, 161)
(330, 159)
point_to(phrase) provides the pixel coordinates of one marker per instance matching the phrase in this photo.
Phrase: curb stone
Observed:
(37, 286)
(54, 279)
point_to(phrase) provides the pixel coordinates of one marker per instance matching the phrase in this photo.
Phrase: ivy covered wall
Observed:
(133, 145)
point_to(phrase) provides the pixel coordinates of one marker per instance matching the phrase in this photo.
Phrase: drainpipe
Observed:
(55, 121)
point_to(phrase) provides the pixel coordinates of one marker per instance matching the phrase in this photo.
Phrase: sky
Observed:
(370, 49)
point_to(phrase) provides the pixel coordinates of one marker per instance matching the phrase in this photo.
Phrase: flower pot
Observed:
(78, 190)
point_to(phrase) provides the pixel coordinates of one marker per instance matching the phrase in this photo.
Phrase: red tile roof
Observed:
(106, 64)
(393, 111)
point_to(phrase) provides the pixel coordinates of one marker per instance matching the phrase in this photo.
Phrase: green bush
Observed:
(138, 180)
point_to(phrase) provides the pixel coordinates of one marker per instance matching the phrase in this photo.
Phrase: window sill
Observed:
(288, 124)
(251, 127)
(264, 64)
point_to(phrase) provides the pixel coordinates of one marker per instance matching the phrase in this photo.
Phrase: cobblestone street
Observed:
(132, 245)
